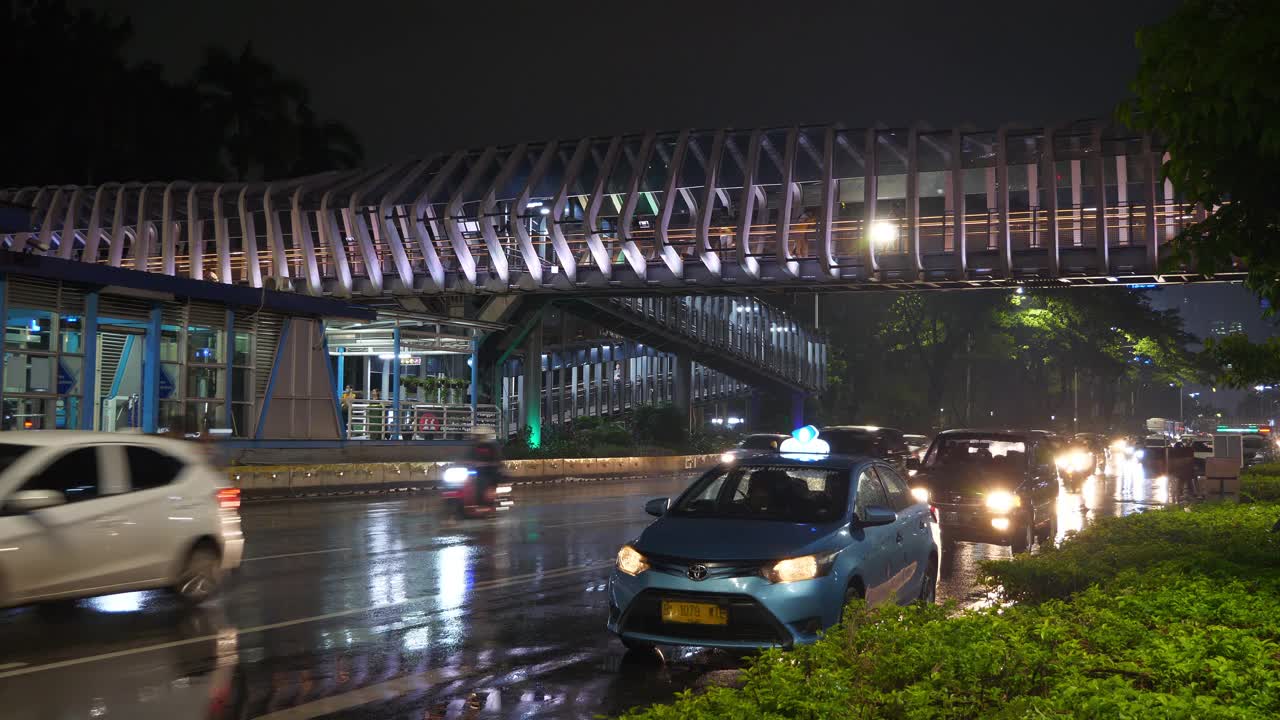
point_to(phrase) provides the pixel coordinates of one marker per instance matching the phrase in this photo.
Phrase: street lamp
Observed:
(883, 233)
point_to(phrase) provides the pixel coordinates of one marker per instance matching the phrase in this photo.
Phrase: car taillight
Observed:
(228, 498)
(933, 513)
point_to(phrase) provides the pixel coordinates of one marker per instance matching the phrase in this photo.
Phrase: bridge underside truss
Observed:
(721, 211)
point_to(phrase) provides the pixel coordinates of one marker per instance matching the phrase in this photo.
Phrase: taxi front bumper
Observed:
(760, 613)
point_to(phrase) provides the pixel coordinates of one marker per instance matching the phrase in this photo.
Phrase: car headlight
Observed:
(727, 457)
(921, 495)
(631, 562)
(456, 475)
(796, 569)
(1002, 501)
(1139, 453)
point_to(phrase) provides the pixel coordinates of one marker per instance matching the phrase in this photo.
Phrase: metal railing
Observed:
(376, 420)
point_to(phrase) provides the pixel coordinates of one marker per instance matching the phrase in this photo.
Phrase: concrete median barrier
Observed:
(258, 481)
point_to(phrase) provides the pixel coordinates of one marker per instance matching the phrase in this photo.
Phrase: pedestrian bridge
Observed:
(689, 212)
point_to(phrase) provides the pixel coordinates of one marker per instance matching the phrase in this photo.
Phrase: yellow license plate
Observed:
(694, 613)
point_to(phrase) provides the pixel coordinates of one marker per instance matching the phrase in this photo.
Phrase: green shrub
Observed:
(1267, 469)
(1218, 540)
(1181, 647)
(660, 425)
(1260, 483)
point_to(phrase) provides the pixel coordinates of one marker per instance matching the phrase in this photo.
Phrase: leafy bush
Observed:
(660, 425)
(1266, 470)
(1260, 483)
(1173, 647)
(1217, 540)
(1166, 614)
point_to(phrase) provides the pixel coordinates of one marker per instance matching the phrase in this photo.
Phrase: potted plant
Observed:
(458, 390)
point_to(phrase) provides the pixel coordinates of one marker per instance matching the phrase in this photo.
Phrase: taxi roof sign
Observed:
(804, 444)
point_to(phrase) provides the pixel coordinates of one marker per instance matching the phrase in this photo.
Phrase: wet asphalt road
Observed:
(381, 607)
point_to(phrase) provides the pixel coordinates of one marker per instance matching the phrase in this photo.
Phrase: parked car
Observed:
(887, 444)
(996, 486)
(753, 445)
(84, 514)
(766, 552)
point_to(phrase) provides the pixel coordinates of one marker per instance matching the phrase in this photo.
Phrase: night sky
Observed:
(421, 76)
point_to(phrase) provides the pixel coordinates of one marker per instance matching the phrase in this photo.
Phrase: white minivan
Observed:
(87, 513)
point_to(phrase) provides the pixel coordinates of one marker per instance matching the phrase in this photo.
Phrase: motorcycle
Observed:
(479, 489)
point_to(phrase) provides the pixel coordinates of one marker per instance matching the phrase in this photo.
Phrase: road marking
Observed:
(478, 587)
(363, 696)
(12, 665)
(391, 689)
(297, 554)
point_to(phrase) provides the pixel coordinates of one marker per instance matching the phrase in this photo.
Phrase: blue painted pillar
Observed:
(797, 409)
(89, 368)
(229, 356)
(342, 371)
(475, 378)
(151, 371)
(395, 382)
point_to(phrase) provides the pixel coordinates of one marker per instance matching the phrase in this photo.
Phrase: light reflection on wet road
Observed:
(380, 607)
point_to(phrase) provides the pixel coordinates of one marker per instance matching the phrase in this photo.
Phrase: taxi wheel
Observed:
(854, 592)
(929, 588)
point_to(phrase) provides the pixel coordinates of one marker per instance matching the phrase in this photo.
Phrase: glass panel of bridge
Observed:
(1126, 190)
(531, 217)
(652, 184)
(978, 160)
(937, 220)
(891, 191)
(732, 175)
(692, 182)
(1028, 224)
(808, 175)
(849, 171)
(1076, 168)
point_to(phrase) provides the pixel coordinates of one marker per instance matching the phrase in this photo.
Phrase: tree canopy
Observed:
(1208, 86)
(82, 113)
(1005, 358)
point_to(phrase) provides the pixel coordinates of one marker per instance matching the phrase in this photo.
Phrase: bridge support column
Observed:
(797, 409)
(474, 362)
(682, 389)
(531, 399)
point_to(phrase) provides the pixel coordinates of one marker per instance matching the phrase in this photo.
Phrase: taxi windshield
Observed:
(788, 494)
(988, 451)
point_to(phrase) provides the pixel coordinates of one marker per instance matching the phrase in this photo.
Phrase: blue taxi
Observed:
(766, 551)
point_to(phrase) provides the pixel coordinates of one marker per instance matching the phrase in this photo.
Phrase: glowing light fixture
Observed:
(883, 233)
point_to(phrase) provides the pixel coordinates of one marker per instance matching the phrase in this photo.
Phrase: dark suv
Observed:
(994, 486)
(887, 444)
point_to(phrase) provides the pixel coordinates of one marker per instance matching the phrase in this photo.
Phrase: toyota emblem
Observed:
(697, 572)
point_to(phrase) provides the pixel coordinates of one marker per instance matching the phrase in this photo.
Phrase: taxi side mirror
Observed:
(657, 507)
(877, 515)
